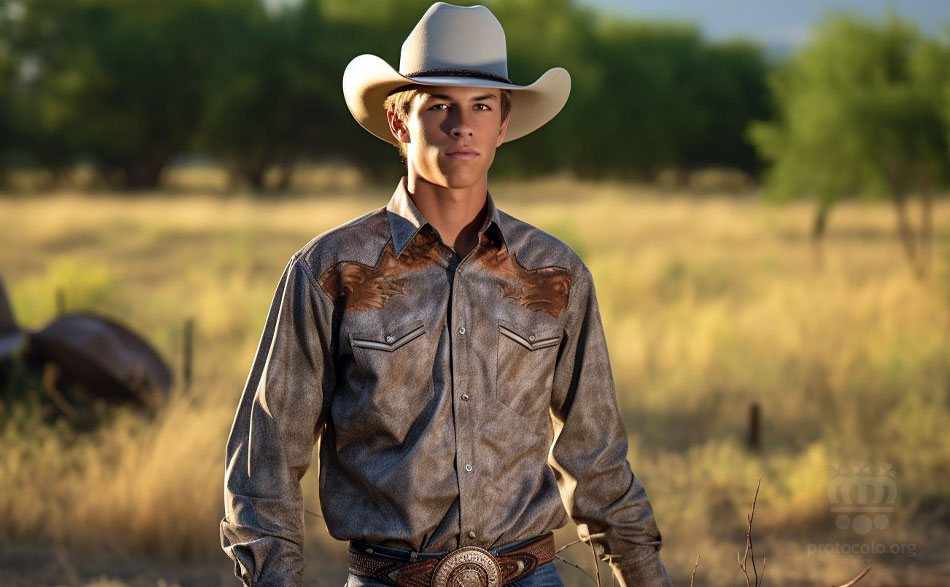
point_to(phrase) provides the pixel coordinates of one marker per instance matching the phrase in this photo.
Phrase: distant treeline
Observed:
(129, 84)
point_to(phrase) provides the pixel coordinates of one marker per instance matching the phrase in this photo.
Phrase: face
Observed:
(451, 134)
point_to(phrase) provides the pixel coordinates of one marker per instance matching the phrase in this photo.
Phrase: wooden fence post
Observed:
(755, 426)
(187, 352)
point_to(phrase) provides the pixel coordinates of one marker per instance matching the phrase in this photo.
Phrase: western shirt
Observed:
(457, 401)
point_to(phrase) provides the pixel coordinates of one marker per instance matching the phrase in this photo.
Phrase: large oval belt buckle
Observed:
(467, 567)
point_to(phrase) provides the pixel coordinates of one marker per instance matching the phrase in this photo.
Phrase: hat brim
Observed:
(368, 80)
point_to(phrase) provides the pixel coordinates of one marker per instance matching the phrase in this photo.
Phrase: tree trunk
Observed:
(906, 231)
(286, 176)
(253, 169)
(142, 174)
(110, 173)
(925, 260)
(234, 178)
(818, 227)
(254, 176)
(145, 170)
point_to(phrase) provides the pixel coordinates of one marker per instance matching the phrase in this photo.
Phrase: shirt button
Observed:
(461, 330)
(471, 534)
(464, 397)
(468, 468)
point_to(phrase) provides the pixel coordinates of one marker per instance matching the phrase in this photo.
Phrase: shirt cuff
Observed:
(646, 572)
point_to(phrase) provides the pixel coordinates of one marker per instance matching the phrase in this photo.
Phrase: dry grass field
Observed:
(710, 303)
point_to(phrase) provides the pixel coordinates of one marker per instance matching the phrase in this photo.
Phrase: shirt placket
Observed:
(464, 404)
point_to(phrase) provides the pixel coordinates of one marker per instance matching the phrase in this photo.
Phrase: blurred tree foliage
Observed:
(119, 82)
(7, 77)
(863, 110)
(129, 84)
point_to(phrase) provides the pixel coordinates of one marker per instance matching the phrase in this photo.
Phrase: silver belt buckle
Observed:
(467, 567)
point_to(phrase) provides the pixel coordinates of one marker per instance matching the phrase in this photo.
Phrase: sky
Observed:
(774, 22)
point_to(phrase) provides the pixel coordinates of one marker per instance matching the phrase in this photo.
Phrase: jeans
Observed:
(543, 576)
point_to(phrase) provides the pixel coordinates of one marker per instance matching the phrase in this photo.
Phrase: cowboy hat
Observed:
(452, 46)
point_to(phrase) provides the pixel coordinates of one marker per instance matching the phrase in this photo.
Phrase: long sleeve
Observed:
(589, 456)
(279, 418)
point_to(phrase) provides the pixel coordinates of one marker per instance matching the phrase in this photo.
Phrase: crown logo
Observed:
(861, 498)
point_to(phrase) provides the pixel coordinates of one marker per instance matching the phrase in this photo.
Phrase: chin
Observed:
(459, 182)
(453, 175)
(463, 178)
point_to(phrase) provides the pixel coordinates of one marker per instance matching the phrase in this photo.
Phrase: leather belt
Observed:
(468, 566)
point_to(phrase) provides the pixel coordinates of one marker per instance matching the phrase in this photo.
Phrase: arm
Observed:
(589, 455)
(279, 418)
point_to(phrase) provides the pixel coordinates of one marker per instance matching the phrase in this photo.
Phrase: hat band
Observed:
(458, 73)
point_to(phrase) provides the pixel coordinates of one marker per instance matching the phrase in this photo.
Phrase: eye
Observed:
(440, 106)
(481, 106)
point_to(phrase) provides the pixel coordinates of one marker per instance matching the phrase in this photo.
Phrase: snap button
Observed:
(465, 397)
(531, 337)
(471, 534)
(468, 468)
(461, 330)
(390, 339)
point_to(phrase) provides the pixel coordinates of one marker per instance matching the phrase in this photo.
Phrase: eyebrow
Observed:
(476, 98)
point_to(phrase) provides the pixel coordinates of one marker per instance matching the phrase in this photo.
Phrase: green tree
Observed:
(120, 82)
(862, 111)
(644, 96)
(8, 139)
(129, 85)
(249, 120)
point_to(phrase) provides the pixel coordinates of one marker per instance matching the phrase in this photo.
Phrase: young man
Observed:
(449, 357)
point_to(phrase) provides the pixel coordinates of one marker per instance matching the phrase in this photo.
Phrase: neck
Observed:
(457, 213)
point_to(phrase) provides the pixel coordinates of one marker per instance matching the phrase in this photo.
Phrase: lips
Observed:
(462, 154)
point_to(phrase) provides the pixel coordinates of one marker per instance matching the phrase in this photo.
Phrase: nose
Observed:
(460, 126)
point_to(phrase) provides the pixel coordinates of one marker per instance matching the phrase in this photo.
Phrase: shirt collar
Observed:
(405, 220)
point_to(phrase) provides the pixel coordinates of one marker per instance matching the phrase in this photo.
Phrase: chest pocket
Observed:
(389, 342)
(525, 373)
(389, 379)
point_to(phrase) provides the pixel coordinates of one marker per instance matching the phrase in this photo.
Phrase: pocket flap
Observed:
(531, 342)
(391, 340)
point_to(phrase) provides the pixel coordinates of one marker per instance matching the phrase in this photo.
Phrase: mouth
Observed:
(462, 153)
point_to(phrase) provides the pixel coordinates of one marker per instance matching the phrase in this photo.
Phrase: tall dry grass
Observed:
(709, 304)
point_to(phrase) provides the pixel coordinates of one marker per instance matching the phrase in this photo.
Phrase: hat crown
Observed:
(455, 38)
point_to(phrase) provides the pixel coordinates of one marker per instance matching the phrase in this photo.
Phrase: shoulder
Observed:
(535, 248)
(360, 240)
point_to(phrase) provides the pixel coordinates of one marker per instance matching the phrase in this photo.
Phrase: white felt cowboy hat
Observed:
(452, 46)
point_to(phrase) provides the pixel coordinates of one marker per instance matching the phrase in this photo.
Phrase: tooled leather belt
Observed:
(468, 566)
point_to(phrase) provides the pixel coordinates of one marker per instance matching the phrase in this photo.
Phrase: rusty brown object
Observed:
(103, 357)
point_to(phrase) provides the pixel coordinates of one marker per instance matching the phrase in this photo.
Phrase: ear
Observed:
(397, 126)
(502, 130)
